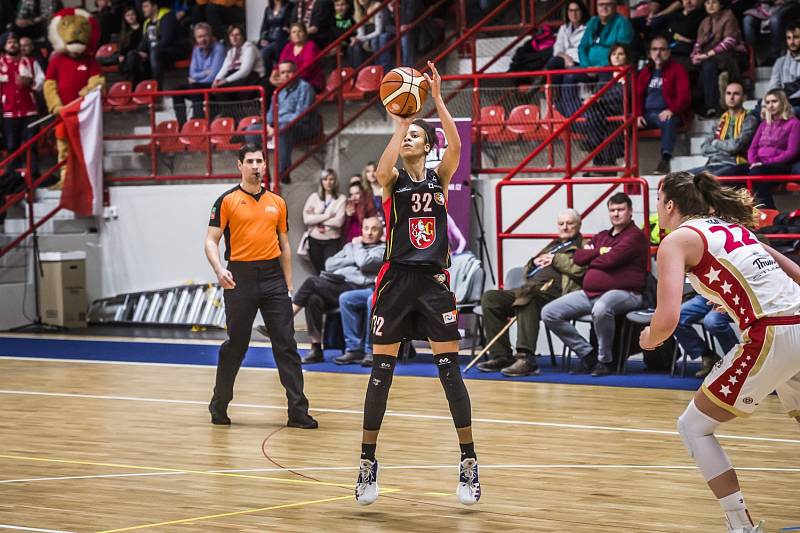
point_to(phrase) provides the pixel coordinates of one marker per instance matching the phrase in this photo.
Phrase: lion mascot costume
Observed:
(72, 71)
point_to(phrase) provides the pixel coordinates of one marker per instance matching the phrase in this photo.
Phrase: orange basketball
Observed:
(403, 91)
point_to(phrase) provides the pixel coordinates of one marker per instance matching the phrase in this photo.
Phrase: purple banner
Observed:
(459, 201)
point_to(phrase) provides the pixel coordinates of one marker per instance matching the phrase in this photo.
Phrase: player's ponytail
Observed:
(702, 194)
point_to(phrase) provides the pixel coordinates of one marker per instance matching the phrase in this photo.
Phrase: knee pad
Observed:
(380, 381)
(697, 433)
(454, 388)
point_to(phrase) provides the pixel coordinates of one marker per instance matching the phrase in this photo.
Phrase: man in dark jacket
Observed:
(612, 285)
(159, 47)
(549, 274)
(663, 98)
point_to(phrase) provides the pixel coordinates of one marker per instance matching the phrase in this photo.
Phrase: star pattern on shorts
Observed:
(736, 299)
(726, 390)
(726, 287)
(732, 380)
(738, 371)
(712, 275)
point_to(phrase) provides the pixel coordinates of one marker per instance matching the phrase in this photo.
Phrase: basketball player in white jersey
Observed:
(758, 287)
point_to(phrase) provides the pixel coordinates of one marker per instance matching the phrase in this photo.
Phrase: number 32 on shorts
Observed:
(377, 325)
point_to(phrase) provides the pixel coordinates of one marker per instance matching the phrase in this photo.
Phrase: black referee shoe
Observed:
(304, 422)
(219, 414)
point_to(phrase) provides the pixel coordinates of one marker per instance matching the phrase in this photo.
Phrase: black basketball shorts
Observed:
(413, 303)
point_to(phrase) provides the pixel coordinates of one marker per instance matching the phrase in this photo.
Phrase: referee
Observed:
(258, 278)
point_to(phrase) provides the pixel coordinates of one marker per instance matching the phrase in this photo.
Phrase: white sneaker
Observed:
(367, 483)
(469, 487)
(758, 528)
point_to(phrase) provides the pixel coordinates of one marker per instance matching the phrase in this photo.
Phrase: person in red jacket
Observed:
(616, 261)
(19, 106)
(663, 98)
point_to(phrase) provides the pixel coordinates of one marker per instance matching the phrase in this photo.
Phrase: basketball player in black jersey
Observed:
(412, 298)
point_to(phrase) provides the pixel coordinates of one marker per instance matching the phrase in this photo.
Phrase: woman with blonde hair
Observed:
(323, 214)
(776, 144)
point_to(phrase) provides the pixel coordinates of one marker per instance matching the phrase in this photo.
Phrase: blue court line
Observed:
(793, 528)
(261, 357)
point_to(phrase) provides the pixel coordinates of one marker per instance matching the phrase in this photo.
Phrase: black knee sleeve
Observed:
(380, 380)
(454, 388)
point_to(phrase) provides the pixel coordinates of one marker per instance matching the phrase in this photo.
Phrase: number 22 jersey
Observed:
(416, 220)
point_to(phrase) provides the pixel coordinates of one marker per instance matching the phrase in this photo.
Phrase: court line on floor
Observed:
(101, 476)
(393, 413)
(234, 513)
(23, 528)
(175, 470)
(129, 363)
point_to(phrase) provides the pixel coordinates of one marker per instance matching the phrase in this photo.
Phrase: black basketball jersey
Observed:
(416, 220)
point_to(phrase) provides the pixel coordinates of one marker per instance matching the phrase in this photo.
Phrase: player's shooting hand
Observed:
(402, 121)
(434, 81)
(644, 340)
(225, 279)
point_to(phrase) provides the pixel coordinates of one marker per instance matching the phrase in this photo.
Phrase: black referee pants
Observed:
(317, 295)
(260, 286)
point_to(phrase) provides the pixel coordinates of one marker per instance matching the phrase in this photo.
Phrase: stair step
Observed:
(686, 162)
(54, 226)
(13, 275)
(761, 88)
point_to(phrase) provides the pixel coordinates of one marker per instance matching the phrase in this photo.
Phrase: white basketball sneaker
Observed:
(367, 483)
(469, 487)
(758, 528)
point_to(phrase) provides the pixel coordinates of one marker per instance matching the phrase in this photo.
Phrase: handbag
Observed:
(302, 246)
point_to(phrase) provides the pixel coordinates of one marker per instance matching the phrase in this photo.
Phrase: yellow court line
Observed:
(235, 513)
(183, 470)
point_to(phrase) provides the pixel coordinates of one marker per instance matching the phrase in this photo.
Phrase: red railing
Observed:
(153, 137)
(508, 232)
(31, 184)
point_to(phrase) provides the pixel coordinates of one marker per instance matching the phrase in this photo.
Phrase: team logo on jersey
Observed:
(270, 209)
(449, 317)
(213, 213)
(439, 198)
(440, 278)
(422, 231)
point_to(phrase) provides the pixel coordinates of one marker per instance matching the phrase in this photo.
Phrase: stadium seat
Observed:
(146, 86)
(119, 97)
(368, 81)
(222, 129)
(195, 143)
(766, 217)
(167, 144)
(104, 52)
(523, 121)
(492, 127)
(182, 63)
(334, 80)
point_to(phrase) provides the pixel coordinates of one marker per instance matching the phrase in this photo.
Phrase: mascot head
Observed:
(74, 31)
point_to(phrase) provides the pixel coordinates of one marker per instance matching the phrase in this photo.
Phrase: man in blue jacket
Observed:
(602, 31)
(207, 57)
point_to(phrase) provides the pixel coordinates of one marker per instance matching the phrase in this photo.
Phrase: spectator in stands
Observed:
(318, 18)
(563, 54)
(776, 145)
(727, 148)
(663, 98)
(293, 100)
(410, 11)
(611, 103)
(696, 310)
(786, 72)
(32, 18)
(359, 207)
(27, 50)
(300, 51)
(368, 180)
(653, 23)
(616, 262)
(775, 15)
(373, 35)
(354, 267)
(106, 18)
(344, 21)
(187, 13)
(207, 58)
(221, 14)
(273, 35)
(680, 29)
(355, 309)
(242, 65)
(719, 52)
(130, 35)
(19, 108)
(549, 274)
(323, 215)
(602, 31)
(159, 47)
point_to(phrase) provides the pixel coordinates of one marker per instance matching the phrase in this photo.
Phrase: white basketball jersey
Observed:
(739, 274)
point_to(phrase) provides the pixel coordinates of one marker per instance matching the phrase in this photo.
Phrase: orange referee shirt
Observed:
(251, 223)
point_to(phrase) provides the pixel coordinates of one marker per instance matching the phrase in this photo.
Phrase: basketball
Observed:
(403, 91)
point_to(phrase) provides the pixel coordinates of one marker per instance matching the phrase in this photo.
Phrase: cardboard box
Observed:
(62, 289)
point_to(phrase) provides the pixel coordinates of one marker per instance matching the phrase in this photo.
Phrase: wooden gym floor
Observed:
(91, 447)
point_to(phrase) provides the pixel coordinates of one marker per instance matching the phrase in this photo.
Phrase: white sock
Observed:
(736, 511)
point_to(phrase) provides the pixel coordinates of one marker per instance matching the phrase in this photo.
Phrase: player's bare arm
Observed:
(680, 250)
(386, 171)
(452, 155)
(286, 258)
(224, 276)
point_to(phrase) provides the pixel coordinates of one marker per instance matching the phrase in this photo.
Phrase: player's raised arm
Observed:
(452, 155)
(386, 171)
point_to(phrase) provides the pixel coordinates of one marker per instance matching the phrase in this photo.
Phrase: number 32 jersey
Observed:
(738, 273)
(416, 219)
